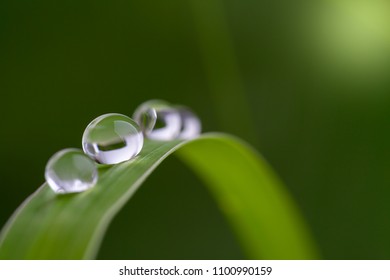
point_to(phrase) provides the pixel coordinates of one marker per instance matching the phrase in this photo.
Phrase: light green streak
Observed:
(220, 62)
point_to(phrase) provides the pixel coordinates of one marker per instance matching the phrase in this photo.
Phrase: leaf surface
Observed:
(261, 212)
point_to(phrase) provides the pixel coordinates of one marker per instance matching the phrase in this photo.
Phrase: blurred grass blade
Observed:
(49, 226)
(221, 68)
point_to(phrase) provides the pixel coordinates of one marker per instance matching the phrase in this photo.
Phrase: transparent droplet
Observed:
(71, 171)
(190, 123)
(112, 138)
(158, 120)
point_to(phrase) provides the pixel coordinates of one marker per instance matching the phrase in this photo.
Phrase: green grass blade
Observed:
(217, 51)
(50, 226)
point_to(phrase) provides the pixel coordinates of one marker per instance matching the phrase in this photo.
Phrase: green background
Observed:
(306, 82)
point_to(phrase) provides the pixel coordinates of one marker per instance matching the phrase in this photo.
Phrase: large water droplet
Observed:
(70, 171)
(158, 120)
(112, 138)
(190, 123)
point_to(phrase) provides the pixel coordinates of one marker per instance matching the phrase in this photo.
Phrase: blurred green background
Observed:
(306, 82)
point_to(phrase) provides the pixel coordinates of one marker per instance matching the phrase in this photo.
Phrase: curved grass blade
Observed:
(50, 226)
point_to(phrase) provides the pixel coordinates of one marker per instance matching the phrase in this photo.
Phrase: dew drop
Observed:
(190, 123)
(70, 171)
(112, 138)
(158, 120)
(161, 121)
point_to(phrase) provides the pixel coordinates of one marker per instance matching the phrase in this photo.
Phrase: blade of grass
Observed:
(49, 226)
(220, 63)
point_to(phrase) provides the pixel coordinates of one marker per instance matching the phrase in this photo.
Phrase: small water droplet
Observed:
(158, 120)
(190, 123)
(161, 121)
(112, 138)
(70, 171)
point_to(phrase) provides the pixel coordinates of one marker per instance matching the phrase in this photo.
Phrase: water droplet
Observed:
(70, 171)
(190, 123)
(112, 138)
(158, 120)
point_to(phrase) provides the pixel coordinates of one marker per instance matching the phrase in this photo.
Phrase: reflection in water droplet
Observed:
(191, 126)
(112, 138)
(158, 120)
(70, 171)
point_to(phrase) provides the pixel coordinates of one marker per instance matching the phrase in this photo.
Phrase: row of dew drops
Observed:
(115, 138)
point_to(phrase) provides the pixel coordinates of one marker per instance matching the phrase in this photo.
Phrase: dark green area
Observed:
(323, 126)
